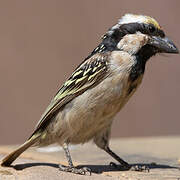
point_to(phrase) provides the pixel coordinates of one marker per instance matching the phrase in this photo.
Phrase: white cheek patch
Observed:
(132, 43)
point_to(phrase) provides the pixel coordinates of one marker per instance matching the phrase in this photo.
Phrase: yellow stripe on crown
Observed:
(151, 20)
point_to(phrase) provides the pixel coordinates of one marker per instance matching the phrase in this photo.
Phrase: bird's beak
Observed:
(164, 45)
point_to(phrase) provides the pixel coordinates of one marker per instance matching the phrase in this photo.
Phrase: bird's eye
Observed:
(152, 29)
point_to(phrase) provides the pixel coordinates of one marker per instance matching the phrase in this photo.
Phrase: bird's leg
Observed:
(125, 165)
(102, 141)
(71, 168)
(115, 156)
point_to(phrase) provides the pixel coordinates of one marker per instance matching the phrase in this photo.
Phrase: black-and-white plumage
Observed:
(84, 107)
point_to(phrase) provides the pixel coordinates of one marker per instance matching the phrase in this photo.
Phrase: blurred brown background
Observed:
(42, 41)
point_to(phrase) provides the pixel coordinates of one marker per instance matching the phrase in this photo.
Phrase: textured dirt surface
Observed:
(161, 154)
(43, 41)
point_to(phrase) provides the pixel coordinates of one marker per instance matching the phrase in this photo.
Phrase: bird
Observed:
(85, 105)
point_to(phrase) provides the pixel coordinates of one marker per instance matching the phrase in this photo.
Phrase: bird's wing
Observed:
(87, 75)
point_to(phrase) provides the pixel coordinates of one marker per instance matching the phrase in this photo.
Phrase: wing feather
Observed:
(91, 72)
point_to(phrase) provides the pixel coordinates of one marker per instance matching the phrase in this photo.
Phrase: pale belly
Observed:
(88, 114)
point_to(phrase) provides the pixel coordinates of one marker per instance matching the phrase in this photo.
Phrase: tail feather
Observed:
(12, 156)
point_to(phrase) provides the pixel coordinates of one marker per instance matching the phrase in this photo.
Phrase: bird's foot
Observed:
(75, 170)
(140, 168)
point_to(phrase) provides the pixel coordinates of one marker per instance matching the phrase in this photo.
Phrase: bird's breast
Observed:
(91, 112)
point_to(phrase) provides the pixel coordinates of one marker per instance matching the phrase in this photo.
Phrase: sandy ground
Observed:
(161, 154)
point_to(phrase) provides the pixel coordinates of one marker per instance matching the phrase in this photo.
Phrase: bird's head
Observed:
(138, 34)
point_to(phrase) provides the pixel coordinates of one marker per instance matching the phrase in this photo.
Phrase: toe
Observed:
(140, 168)
(81, 171)
(62, 167)
(87, 171)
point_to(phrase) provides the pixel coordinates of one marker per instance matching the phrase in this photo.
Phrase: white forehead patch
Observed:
(132, 18)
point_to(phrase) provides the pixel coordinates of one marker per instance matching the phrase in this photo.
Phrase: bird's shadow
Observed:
(98, 169)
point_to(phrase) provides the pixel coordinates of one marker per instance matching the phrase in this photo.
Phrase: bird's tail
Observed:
(12, 156)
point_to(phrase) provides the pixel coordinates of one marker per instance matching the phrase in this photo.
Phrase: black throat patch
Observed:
(142, 57)
(138, 68)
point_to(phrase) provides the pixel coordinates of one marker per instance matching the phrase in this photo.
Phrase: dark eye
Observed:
(152, 29)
